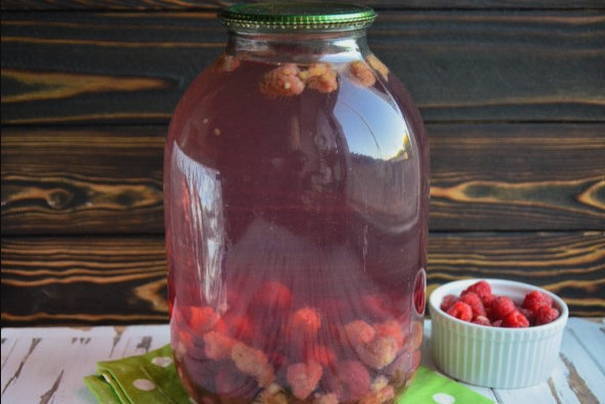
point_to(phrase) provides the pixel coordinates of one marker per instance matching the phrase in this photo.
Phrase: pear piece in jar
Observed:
(226, 63)
(362, 74)
(320, 77)
(282, 81)
(378, 66)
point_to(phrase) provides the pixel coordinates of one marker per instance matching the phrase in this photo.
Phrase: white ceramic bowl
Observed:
(505, 358)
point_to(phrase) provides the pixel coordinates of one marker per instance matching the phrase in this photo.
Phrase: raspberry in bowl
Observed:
(496, 333)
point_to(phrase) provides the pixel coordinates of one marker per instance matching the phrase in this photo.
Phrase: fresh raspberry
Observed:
(217, 346)
(274, 295)
(303, 378)
(473, 300)
(481, 320)
(391, 329)
(546, 314)
(448, 301)
(531, 316)
(515, 319)
(320, 354)
(481, 288)
(359, 332)
(202, 319)
(362, 74)
(282, 81)
(350, 381)
(379, 352)
(461, 311)
(502, 306)
(497, 323)
(488, 301)
(536, 299)
(489, 313)
(320, 77)
(252, 362)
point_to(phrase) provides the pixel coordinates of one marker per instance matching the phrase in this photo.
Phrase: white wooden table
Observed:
(46, 365)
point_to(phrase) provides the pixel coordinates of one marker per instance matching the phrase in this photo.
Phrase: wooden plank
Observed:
(70, 67)
(484, 177)
(566, 383)
(122, 280)
(575, 378)
(584, 378)
(517, 177)
(106, 180)
(70, 354)
(538, 394)
(84, 281)
(213, 4)
(591, 336)
(8, 345)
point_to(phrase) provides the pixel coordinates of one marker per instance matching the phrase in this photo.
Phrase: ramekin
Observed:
(505, 358)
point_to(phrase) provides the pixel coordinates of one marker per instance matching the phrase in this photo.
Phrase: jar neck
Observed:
(299, 47)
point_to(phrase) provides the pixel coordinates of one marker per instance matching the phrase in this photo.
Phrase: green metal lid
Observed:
(297, 16)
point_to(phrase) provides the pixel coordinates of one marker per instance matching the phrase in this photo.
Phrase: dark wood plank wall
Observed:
(513, 93)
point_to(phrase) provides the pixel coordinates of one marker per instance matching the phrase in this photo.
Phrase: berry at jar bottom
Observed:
(282, 349)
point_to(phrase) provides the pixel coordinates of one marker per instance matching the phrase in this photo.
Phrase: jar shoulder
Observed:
(360, 102)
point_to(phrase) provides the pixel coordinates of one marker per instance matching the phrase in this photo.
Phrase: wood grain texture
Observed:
(71, 67)
(83, 180)
(213, 4)
(122, 280)
(517, 177)
(83, 280)
(484, 177)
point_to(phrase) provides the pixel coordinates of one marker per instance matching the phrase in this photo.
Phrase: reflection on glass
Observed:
(201, 240)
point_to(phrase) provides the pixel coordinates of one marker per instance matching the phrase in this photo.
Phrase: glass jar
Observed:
(296, 194)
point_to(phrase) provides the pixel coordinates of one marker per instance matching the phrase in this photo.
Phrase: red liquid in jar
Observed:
(296, 236)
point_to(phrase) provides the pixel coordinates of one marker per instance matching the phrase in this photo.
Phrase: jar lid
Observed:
(298, 16)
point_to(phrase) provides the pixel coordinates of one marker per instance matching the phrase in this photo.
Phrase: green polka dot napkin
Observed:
(149, 378)
(152, 378)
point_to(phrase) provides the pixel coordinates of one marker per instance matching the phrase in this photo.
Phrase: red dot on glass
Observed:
(420, 291)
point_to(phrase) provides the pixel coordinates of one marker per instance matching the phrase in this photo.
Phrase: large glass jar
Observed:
(296, 192)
